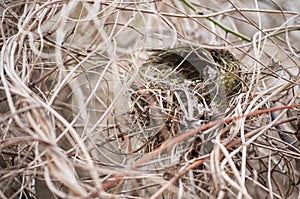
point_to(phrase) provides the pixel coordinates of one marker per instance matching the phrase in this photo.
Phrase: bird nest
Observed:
(149, 99)
(180, 89)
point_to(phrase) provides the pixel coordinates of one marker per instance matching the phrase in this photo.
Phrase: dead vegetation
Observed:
(149, 99)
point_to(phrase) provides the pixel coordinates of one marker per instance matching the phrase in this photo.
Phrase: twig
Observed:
(47, 74)
(225, 28)
(194, 131)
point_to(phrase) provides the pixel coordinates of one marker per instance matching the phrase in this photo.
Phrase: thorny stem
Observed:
(203, 127)
(191, 132)
(200, 160)
(225, 28)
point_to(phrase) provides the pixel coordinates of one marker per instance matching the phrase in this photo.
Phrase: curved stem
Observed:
(225, 28)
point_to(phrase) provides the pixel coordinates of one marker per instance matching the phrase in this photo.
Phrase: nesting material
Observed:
(180, 89)
(149, 99)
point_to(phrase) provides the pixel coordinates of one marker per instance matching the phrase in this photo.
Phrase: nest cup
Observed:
(179, 89)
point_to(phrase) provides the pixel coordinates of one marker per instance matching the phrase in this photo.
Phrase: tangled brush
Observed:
(149, 99)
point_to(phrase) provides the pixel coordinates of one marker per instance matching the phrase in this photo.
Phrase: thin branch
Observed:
(225, 28)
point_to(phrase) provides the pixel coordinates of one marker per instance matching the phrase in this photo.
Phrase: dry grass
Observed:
(90, 107)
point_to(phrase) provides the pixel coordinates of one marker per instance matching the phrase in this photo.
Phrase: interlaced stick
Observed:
(191, 132)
